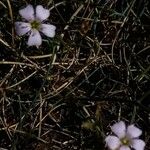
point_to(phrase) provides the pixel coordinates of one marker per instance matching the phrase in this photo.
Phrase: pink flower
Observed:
(34, 24)
(125, 138)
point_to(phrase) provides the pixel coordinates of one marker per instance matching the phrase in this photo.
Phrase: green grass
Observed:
(66, 94)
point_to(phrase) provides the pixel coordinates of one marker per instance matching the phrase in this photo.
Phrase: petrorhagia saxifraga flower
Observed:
(34, 24)
(125, 138)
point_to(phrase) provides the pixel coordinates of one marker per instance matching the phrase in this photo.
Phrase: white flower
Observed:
(125, 138)
(34, 24)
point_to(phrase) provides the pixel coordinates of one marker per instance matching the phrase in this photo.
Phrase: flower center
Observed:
(35, 24)
(125, 141)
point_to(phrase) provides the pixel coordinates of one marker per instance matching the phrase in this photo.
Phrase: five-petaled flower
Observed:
(125, 138)
(34, 24)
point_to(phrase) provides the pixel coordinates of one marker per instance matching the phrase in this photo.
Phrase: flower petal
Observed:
(124, 148)
(34, 38)
(138, 144)
(22, 28)
(133, 131)
(119, 129)
(42, 13)
(48, 30)
(27, 13)
(112, 142)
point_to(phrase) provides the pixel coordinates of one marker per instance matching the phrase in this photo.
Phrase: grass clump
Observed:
(95, 71)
